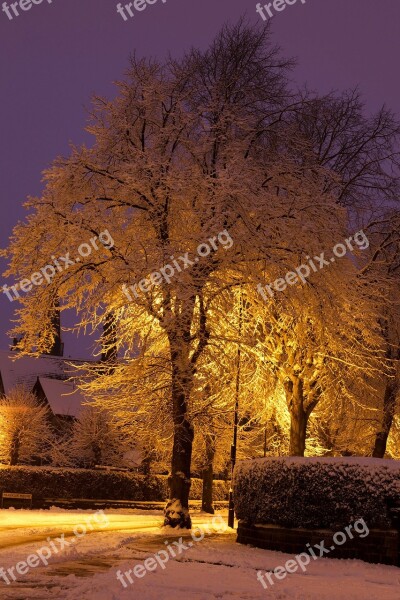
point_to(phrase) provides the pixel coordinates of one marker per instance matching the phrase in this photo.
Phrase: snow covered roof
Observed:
(51, 372)
(63, 397)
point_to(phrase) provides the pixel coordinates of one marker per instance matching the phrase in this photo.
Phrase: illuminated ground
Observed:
(213, 568)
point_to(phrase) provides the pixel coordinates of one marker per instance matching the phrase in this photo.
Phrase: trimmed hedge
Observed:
(50, 482)
(316, 492)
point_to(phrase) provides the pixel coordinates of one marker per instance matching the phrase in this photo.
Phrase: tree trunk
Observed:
(298, 417)
(97, 453)
(15, 446)
(298, 431)
(177, 508)
(208, 475)
(109, 342)
(183, 363)
(145, 467)
(389, 407)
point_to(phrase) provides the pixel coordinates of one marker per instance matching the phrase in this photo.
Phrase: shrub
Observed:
(25, 433)
(50, 482)
(316, 492)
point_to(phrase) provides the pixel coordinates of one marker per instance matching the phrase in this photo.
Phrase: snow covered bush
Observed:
(316, 492)
(25, 431)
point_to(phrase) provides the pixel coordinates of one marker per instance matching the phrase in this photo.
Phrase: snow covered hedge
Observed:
(49, 482)
(316, 492)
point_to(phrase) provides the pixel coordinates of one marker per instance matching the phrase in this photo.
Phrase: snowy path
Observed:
(213, 568)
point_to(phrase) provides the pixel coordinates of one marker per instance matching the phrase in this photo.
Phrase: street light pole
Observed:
(231, 510)
(265, 441)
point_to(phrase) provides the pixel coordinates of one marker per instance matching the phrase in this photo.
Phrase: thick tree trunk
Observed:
(298, 431)
(177, 509)
(298, 417)
(389, 408)
(183, 362)
(208, 475)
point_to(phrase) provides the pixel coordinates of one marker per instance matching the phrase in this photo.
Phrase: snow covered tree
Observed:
(199, 180)
(25, 431)
(382, 273)
(98, 439)
(323, 339)
(361, 150)
(173, 148)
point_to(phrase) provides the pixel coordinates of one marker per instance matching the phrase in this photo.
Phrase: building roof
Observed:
(50, 372)
(64, 397)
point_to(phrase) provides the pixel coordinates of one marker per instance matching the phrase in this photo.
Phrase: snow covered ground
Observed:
(215, 567)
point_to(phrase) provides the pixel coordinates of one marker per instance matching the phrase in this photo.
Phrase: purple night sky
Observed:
(54, 56)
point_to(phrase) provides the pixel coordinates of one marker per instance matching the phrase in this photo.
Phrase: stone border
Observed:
(381, 546)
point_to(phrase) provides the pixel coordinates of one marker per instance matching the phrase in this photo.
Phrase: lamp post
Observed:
(231, 510)
(265, 441)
